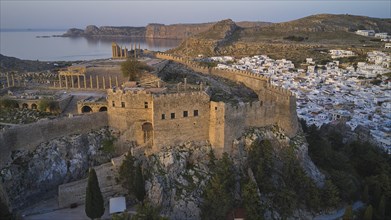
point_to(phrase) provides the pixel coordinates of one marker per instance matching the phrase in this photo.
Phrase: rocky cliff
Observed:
(178, 175)
(35, 175)
(153, 31)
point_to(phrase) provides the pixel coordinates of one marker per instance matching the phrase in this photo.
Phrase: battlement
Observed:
(128, 91)
(159, 96)
(229, 73)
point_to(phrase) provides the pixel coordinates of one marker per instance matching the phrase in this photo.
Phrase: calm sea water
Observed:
(25, 44)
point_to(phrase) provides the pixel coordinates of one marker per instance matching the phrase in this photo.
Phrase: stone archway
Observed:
(86, 109)
(103, 109)
(25, 105)
(34, 106)
(147, 130)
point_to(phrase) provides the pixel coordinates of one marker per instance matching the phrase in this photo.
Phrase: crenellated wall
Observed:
(282, 102)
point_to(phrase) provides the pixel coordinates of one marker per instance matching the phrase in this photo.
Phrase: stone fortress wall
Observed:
(227, 122)
(29, 136)
(159, 120)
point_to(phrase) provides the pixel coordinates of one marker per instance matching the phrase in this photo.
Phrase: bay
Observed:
(40, 45)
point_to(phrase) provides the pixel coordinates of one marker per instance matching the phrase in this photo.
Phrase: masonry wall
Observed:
(172, 131)
(29, 136)
(128, 119)
(282, 100)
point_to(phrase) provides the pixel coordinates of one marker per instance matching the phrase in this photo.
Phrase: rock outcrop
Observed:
(178, 175)
(37, 174)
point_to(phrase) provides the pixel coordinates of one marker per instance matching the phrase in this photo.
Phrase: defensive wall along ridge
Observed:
(29, 136)
(278, 105)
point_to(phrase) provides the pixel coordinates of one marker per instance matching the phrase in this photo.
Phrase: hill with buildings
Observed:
(294, 40)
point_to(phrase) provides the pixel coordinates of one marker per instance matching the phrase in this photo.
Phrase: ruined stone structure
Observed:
(75, 78)
(68, 76)
(92, 104)
(156, 119)
(123, 53)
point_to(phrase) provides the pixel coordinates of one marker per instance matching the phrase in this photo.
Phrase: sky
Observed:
(19, 14)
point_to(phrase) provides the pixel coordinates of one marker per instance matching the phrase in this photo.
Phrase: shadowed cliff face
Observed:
(36, 174)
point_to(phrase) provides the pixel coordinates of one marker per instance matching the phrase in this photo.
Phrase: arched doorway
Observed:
(34, 106)
(86, 109)
(147, 129)
(103, 109)
(25, 105)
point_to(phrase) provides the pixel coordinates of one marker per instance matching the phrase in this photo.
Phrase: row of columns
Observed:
(91, 86)
(11, 81)
(119, 52)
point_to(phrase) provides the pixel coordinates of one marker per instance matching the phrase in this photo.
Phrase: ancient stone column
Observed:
(85, 82)
(78, 82)
(110, 82)
(13, 80)
(73, 83)
(104, 82)
(66, 82)
(91, 82)
(97, 82)
(8, 80)
(116, 81)
(59, 81)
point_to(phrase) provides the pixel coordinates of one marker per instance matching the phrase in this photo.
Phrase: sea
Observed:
(34, 44)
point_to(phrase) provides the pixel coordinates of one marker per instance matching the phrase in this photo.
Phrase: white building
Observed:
(367, 33)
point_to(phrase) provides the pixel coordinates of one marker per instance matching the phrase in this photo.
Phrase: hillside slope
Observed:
(293, 40)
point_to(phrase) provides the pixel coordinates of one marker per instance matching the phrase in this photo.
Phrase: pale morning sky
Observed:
(67, 14)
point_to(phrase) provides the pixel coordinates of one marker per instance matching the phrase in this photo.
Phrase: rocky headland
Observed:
(153, 31)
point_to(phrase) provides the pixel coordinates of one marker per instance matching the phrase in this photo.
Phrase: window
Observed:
(172, 115)
(145, 104)
(185, 114)
(195, 113)
(163, 116)
(123, 104)
(113, 103)
(215, 108)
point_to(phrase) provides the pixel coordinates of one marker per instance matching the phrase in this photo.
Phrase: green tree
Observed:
(133, 69)
(4, 211)
(365, 194)
(48, 105)
(381, 209)
(330, 194)
(147, 211)
(218, 196)
(252, 202)
(368, 214)
(94, 204)
(127, 173)
(8, 103)
(348, 213)
(139, 184)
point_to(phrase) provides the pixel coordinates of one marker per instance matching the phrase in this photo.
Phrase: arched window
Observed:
(86, 109)
(103, 109)
(34, 106)
(25, 105)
